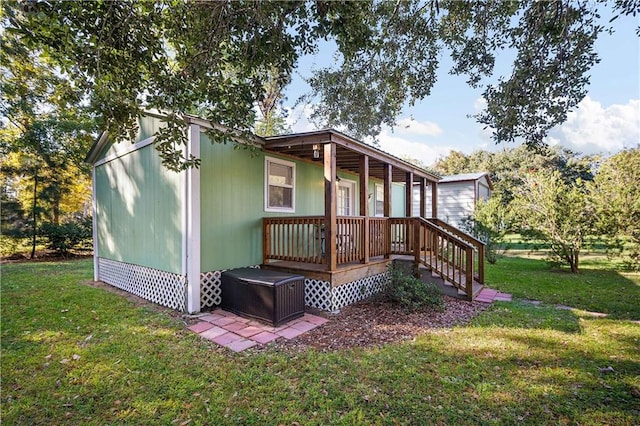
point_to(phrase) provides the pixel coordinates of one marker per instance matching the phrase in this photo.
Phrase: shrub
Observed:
(413, 293)
(10, 245)
(67, 236)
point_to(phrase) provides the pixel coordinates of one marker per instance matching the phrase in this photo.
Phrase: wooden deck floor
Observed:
(349, 272)
(345, 273)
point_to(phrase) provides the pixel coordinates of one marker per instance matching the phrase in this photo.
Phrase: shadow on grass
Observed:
(597, 288)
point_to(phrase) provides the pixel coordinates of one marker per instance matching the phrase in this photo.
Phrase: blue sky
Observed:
(606, 121)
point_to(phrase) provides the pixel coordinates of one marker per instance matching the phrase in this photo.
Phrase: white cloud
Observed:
(402, 147)
(480, 104)
(298, 118)
(422, 128)
(592, 128)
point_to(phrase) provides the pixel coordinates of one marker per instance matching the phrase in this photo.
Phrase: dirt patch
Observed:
(378, 322)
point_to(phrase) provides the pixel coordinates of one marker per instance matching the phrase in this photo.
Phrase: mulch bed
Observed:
(377, 322)
(370, 323)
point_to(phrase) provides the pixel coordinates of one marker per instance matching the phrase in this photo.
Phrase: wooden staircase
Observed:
(443, 255)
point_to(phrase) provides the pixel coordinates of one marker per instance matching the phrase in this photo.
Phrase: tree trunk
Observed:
(574, 262)
(35, 213)
(55, 211)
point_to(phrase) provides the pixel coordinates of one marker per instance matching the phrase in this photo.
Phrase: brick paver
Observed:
(241, 345)
(236, 333)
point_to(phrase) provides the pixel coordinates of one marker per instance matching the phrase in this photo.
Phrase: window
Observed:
(280, 181)
(379, 199)
(346, 193)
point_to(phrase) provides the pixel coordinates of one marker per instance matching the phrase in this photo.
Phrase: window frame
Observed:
(292, 165)
(351, 184)
(375, 200)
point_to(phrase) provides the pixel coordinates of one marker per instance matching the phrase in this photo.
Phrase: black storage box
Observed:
(270, 296)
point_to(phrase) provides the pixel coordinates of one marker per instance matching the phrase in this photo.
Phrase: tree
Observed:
(616, 197)
(556, 212)
(454, 163)
(181, 57)
(272, 122)
(45, 131)
(490, 223)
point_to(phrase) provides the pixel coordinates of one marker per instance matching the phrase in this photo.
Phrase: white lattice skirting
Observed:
(211, 288)
(358, 290)
(317, 293)
(163, 288)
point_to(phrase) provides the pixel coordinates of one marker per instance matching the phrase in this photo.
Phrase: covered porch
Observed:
(338, 249)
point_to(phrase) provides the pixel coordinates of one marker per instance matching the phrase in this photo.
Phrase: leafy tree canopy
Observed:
(557, 212)
(615, 192)
(214, 58)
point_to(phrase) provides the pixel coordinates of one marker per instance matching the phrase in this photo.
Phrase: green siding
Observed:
(148, 126)
(139, 216)
(232, 202)
(397, 200)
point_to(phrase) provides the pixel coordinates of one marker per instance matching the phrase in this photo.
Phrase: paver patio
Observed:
(236, 333)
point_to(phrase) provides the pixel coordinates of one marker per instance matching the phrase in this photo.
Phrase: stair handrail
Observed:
(455, 231)
(478, 245)
(450, 234)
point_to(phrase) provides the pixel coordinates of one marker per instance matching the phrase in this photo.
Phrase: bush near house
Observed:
(411, 292)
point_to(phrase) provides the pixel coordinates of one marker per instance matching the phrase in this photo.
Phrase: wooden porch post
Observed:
(364, 205)
(434, 200)
(408, 195)
(387, 176)
(423, 200)
(387, 190)
(330, 204)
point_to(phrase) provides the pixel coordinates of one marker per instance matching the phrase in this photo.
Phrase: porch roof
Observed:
(348, 152)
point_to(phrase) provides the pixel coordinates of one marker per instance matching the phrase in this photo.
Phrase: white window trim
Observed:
(351, 184)
(375, 199)
(291, 164)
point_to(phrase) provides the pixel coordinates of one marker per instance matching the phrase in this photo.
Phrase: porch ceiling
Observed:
(348, 154)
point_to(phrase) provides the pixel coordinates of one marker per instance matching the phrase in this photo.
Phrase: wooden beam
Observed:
(364, 185)
(387, 172)
(423, 201)
(345, 142)
(330, 205)
(364, 206)
(408, 195)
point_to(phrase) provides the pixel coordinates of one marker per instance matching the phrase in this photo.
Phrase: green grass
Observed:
(74, 354)
(599, 287)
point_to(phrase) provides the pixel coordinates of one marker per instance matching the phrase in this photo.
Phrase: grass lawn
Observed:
(599, 287)
(74, 354)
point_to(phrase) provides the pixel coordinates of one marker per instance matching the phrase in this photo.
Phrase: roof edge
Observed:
(350, 139)
(97, 147)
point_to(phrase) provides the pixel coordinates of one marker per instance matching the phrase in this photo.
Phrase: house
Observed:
(458, 196)
(319, 204)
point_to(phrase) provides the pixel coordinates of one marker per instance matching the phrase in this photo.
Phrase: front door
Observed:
(346, 198)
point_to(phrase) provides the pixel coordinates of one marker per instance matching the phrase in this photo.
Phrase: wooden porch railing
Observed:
(453, 254)
(478, 246)
(296, 239)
